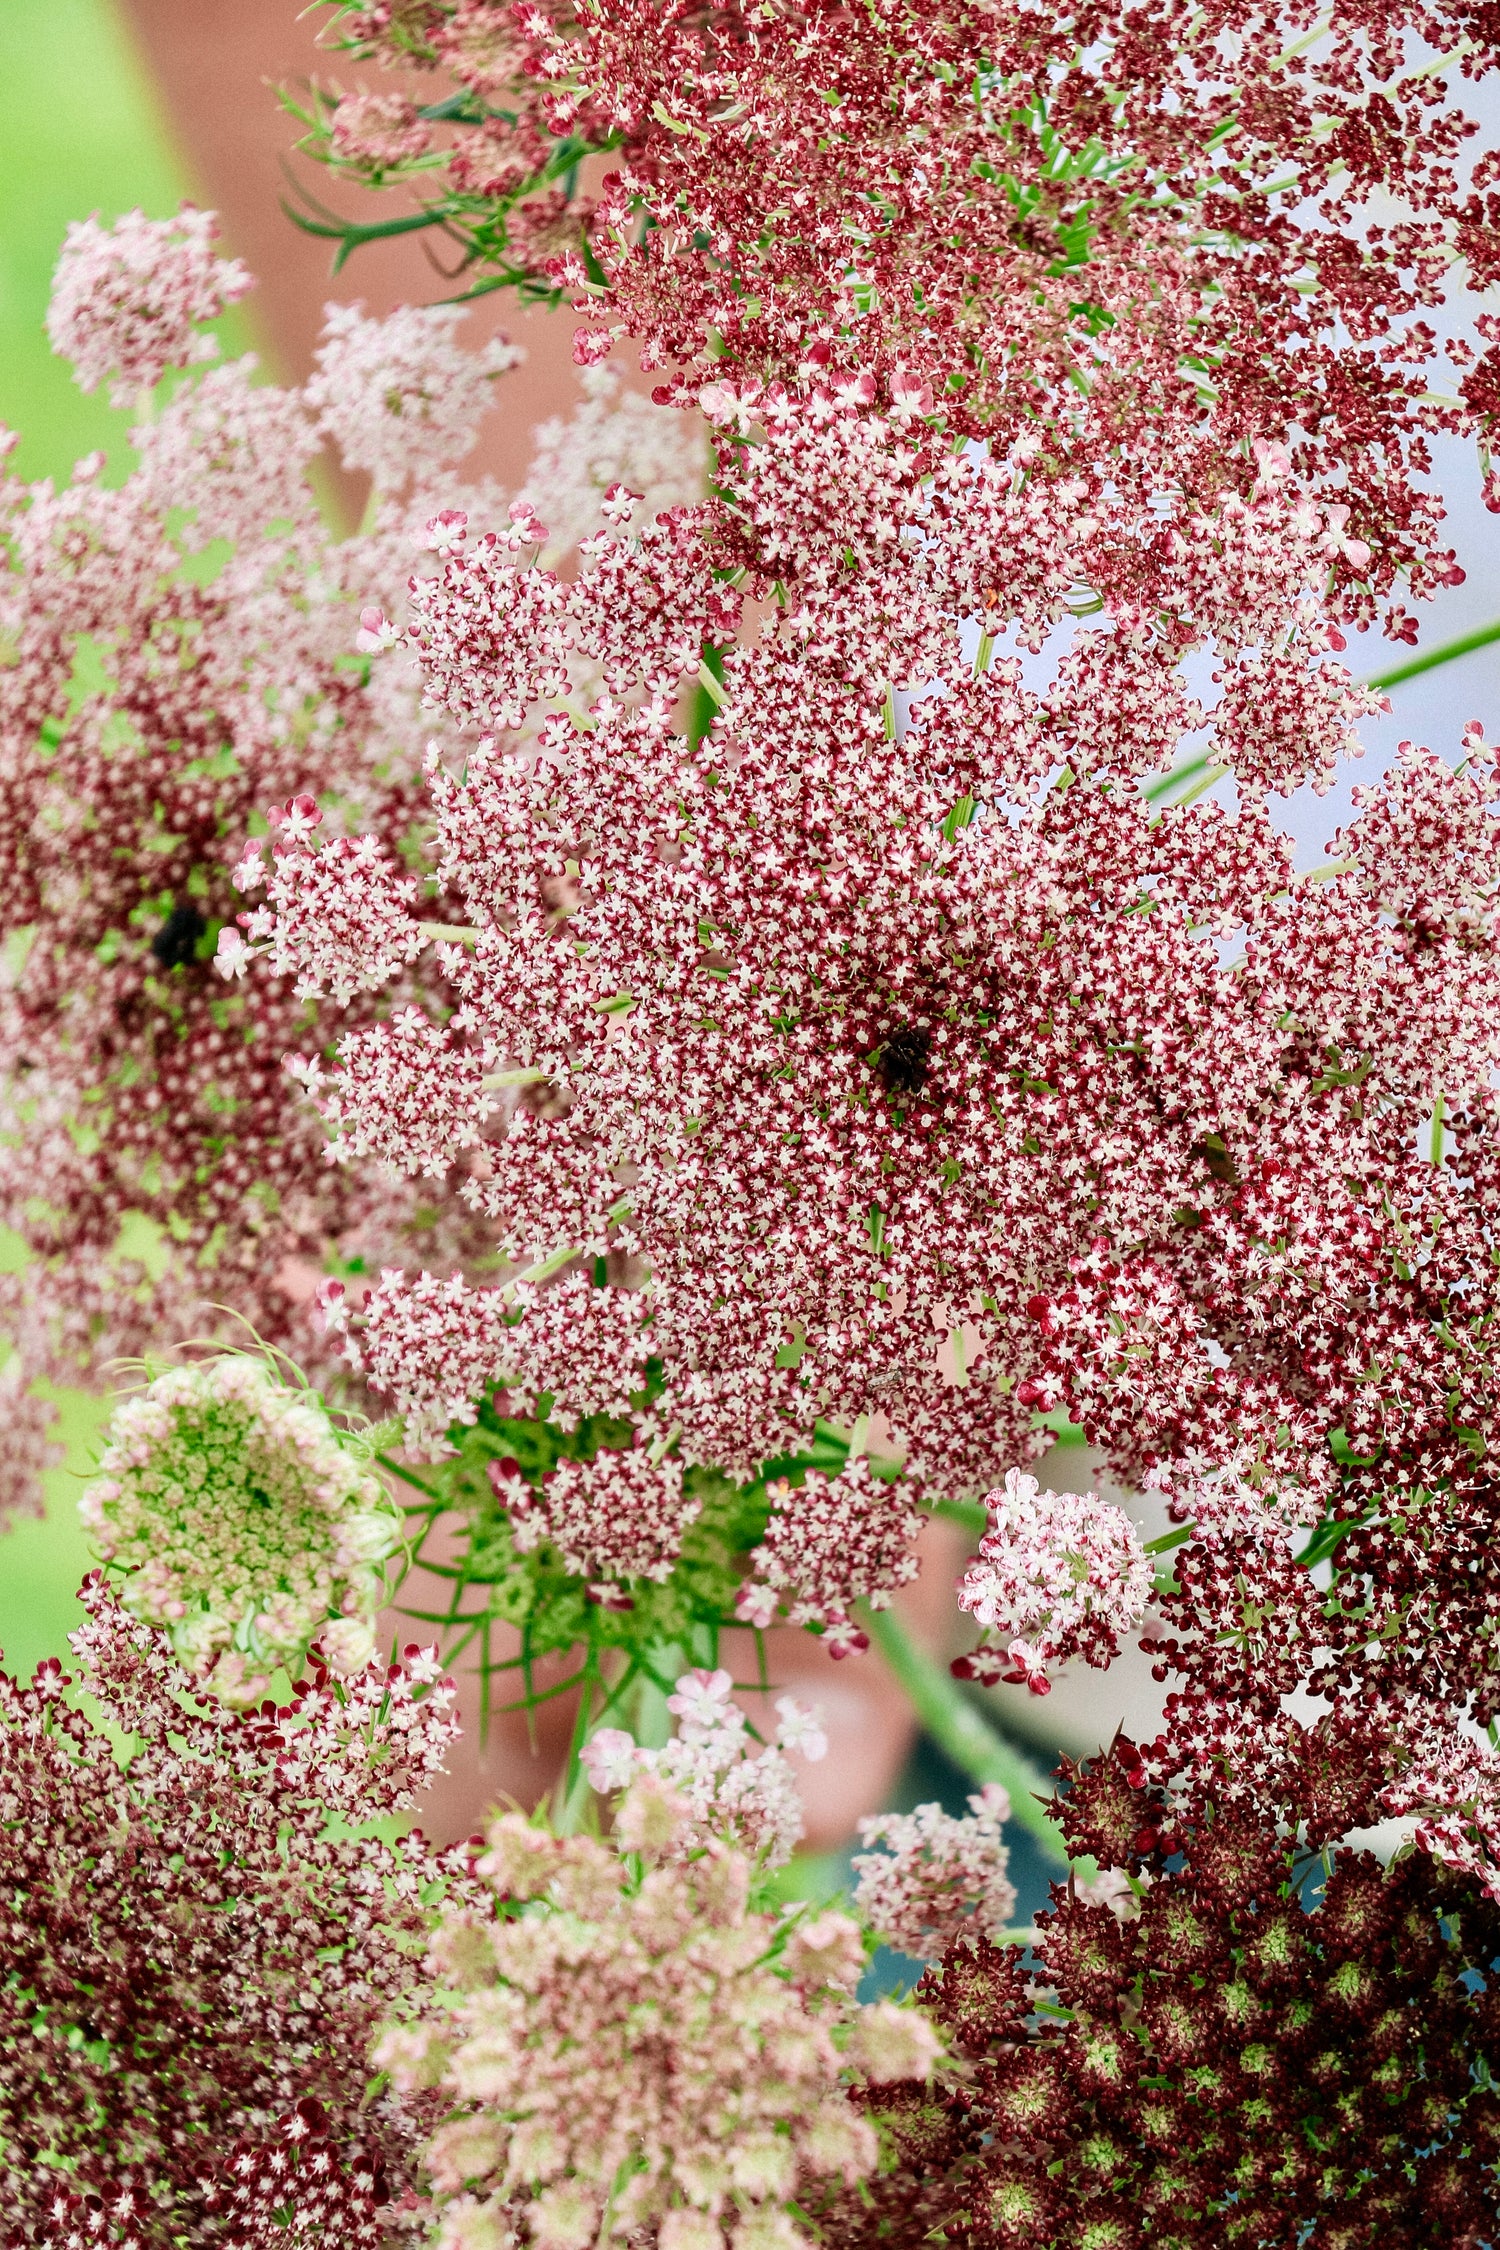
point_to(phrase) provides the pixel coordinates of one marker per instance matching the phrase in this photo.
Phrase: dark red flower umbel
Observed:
(1219, 2061)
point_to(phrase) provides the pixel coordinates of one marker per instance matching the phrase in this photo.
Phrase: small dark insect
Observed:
(902, 1060)
(176, 942)
(1215, 1155)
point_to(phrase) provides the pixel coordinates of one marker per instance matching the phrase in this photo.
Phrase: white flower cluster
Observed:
(233, 1516)
(940, 1878)
(400, 396)
(751, 1802)
(616, 442)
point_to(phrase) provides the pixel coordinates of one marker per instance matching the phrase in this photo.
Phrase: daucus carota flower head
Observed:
(128, 298)
(203, 697)
(617, 1517)
(1058, 1574)
(233, 1515)
(876, 1006)
(399, 395)
(630, 2049)
(830, 1542)
(1236, 2061)
(724, 1787)
(939, 1878)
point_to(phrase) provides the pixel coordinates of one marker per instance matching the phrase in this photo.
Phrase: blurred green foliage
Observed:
(43, 1560)
(83, 132)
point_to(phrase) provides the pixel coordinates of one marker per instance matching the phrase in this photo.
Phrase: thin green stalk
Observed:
(1208, 779)
(529, 1701)
(395, 1469)
(1165, 783)
(571, 1793)
(617, 1694)
(1431, 658)
(958, 1729)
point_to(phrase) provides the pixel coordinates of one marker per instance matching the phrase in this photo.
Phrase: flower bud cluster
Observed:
(233, 1515)
(1058, 1574)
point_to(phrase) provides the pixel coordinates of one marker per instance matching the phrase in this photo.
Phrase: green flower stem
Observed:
(957, 1727)
(571, 1795)
(395, 1469)
(1431, 658)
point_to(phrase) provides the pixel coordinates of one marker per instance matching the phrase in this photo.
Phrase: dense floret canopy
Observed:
(1050, 221)
(187, 1950)
(818, 998)
(631, 2049)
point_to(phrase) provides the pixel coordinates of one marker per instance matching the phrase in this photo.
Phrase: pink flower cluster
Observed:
(749, 1801)
(129, 298)
(379, 131)
(940, 1879)
(400, 396)
(813, 1000)
(617, 1517)
(156, 700)
(831, 1542)
(640, 2053)
(834, 1031)
(1058, 1574)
